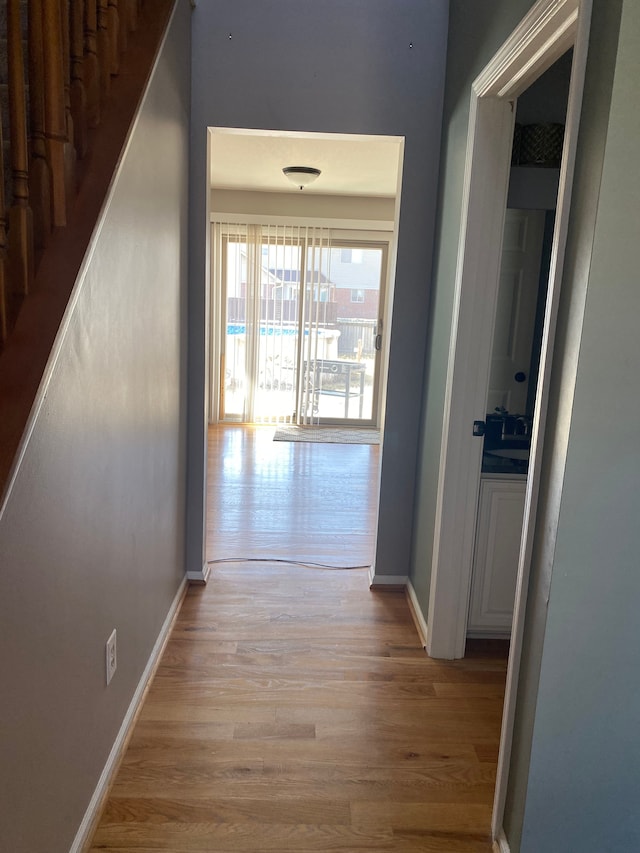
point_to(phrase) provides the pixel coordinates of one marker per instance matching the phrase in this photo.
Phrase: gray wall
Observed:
(583, 786)
(584, 211)
(91, 535)
(301, 204)
(476, 31)
(546, 99)
(332, 67)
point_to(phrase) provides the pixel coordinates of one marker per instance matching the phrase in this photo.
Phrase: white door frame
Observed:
(549, 29)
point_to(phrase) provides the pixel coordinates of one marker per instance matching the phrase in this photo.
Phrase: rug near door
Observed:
(328, 435)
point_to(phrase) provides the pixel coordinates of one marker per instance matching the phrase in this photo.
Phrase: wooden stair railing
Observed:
(3, 255)
(39, 175)
(78, 88)
(73, 49)
(92, 75)
(67, 122)
(55, 129)
(21, 260)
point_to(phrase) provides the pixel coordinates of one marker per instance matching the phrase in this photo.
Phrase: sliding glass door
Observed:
(260, 326)
(301, 324)
(340, 379)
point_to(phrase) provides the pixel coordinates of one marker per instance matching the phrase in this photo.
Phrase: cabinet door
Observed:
(497, 548)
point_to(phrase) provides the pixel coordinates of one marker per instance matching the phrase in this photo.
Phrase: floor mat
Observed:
(328, 435)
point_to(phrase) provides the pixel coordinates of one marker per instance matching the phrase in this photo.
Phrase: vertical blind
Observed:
(272, 287)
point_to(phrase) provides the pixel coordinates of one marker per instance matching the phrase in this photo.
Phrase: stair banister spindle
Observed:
(20, 216)
(78, 91)
(54, 110)
(104, 53)
(69, 149)
(4, 294)
(39, 175)
(131, 7)
(91, 65)
(113, 28)
(123, 31)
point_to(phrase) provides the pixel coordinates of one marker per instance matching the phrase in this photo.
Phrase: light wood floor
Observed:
(294, 709)
(270, 498)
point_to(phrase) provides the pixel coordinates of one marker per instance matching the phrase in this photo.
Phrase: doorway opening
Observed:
(301, 287)
(527, 244)
(301, 278)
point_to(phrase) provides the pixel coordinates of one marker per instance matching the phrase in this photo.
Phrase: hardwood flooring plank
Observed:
(412, 743)
(462, 783)
(487, 688)
(434, 842)
(310, 753)
(451, 818)
(250, 836)
(274, 731)
(398, 844)
(186, 713)
(121, 810)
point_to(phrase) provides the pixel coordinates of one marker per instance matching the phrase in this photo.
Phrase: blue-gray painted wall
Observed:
(476, 31)
(583, 785)
(342, 68)
(92, 532)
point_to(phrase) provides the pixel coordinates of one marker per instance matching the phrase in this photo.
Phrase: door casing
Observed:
(549, 29)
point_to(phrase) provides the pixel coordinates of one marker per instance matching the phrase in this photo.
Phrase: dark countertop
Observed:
(496, 465)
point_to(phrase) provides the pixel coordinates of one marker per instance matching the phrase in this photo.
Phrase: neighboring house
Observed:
(107, 494)
(356, 274)
(357, 302)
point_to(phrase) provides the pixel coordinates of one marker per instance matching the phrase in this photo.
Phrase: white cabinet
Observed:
(495, 561)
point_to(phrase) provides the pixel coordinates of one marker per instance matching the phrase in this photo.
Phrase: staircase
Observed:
(4, 89)
(71, 76)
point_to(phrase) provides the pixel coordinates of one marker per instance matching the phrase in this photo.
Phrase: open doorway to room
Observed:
(546, 33)
(301, 288)
(301, 279)
(517, 339)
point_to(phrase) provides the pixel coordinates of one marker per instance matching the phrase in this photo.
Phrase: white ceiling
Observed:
(350, 165)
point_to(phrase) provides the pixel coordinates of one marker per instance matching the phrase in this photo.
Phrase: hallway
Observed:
(294, 710)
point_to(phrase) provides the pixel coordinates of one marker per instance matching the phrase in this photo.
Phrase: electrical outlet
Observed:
(112, 657)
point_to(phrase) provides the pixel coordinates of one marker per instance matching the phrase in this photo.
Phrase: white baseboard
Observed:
(418, 615)
(501, 845)
(201, 576)
(87, 826)
(386, 580)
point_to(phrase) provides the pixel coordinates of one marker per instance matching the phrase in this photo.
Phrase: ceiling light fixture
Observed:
(301, 176)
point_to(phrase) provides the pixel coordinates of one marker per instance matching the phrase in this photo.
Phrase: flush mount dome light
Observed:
(301, 176)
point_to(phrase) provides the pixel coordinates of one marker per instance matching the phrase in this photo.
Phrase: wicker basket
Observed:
(541, 144)
(517, 144)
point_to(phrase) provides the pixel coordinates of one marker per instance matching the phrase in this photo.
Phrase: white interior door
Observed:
(516, 310)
